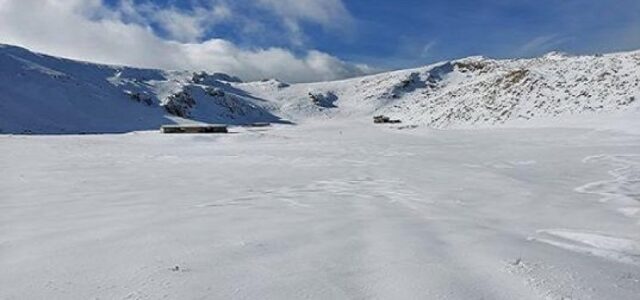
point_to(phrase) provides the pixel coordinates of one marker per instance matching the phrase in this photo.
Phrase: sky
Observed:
(314, 40)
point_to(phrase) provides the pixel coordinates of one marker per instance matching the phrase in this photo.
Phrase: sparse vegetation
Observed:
(514, 77)
(470, 66)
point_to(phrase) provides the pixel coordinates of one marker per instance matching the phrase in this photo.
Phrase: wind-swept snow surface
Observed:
(331, 210)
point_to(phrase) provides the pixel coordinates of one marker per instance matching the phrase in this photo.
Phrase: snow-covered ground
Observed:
(542, 203)
(337, 209)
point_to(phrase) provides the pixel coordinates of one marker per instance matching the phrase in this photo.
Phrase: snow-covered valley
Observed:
(508, 179)
(341, 210)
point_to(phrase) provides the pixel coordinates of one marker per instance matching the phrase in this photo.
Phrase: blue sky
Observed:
(413, 32)
(403, 33)
(319, 39)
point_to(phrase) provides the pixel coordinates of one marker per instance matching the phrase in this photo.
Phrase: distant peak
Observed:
(275, 82)
(474, 58)
(210, 79)
(556, 55)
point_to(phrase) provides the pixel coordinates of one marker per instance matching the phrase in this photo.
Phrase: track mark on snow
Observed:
(321, 192)
(625, 184)
(623, 190)
(512, 164)
(620, 249)
(240, 202)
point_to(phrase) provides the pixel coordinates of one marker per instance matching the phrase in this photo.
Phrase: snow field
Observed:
(321, 210)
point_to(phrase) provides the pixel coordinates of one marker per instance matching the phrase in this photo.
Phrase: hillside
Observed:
(44, 94)
(478, 91)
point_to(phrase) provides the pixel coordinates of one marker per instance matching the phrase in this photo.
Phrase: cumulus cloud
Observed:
(127, 34)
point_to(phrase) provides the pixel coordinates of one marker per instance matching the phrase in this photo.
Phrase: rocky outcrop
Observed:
(324, 100)
(180, 104)
(205, 78)
(140, 97)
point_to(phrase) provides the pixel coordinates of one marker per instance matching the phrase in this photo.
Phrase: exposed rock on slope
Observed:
(180, 104)
(325, 100)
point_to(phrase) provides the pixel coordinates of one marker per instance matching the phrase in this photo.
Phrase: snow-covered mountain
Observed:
(477, 91)
(44, 94)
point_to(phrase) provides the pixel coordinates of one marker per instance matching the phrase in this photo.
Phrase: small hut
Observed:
(381, 119)
(194, 128)
(259, 124)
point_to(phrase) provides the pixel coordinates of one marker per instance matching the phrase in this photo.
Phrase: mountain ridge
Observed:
(46, 94)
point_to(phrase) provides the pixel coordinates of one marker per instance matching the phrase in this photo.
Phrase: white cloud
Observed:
(88, 30)
(181, 26)
(178, 24)
(331, 14)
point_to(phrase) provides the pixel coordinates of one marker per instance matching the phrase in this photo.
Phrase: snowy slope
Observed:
(476, 91)
(45, 94)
